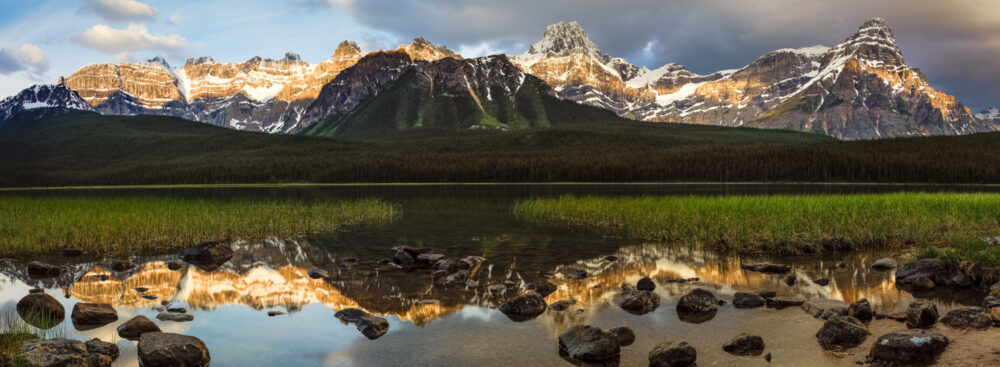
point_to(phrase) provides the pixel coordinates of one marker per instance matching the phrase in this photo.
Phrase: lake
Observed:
(434, 325)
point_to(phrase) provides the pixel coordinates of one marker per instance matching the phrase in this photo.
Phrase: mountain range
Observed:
(861, 88)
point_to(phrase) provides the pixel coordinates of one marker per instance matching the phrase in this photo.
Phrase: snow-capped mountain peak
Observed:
(42, 96)
(563, 39)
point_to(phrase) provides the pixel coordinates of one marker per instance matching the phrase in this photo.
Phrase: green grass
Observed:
(128, 225)
(782, 224)
(14, 330)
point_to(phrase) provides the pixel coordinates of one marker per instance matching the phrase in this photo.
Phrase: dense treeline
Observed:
(86, 149)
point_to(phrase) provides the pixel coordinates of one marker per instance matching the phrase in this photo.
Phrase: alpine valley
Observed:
(859, 89)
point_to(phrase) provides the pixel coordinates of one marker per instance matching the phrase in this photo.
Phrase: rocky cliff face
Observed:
(860, 89)
(42, 96)
(258, 94)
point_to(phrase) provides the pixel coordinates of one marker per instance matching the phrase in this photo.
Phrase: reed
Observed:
(34, 225)
(781, 224)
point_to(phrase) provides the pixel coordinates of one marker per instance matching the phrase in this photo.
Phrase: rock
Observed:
(40, 270)
(995, 314)
(782, 302)
(177, 317)
(921, 314)
(589, 343)
(842, 331)
(922, 284)
(121, 266)
(177, 310)
(135, 327)
(625, 335)
(369, 325)
(697, 301)
(842, 265)
(440, 274)
(991, 302)
(897, 316)
(41, 310)
(543, 287)
(208, 256)
(822, 281)
(470, 262)
(318, 273)
(404, 257)
(429, 258)
(496, 288)
(71, 252)
(747, 300)
(97, 346)
(745, 345)
(610, 258)
(767, 293)
(908, 347)
(275, 313)
(458, 279)
(524, 307)
(967, 318)
(98, 360)
(57, 352)
(668, 354)
(93, 314)
(447, 265)
(825, 308)
(562, 305)
(645, 284)
(791, 280)
(175, 265)
(172, 350)
(576, 273)
(884, 264)
(926, 274)
(767, 357)
(767, 268)
(637, 302)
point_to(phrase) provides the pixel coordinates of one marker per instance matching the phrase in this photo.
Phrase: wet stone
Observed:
(562, 305)
(747, 300)
(174, 350)
(543, 287)
(908, 347)
(135, 327)
(524, 307)
(668, 354)
(744, 345)
(921, 315)
(93, 314)
(637, 302)
(783, 302)
(589, 343)
(825, 308)
(842, 331)
(645, 284)
(54, 352)
(625, 334)
(968, 318)
(861, 310)
(41, 310)
(97, 346)
(176, 317)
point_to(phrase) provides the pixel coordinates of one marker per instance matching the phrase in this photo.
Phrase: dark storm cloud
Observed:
(955, 42)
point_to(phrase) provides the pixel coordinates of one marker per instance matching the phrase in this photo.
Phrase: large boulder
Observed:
(645, 284)
(208, 256)
(747, 300)
(744, 345)
(40, 270)
(767, 268)
(824, 308)
(926, 274)
(172, 350)
(967, 318)
(908, 347)
(921, 314)
(668, 354)
(41, 310)
(588, 343)
(135, 327)
(98, 346)
(91, 315)
(697, 301)
(524, 307)
(884, 264)
(842, 331)
(861, 310)
(637, 302)
(369, 325)
(625, 335)
(56, 352)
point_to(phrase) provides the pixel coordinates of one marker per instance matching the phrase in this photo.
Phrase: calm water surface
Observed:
(431, 325)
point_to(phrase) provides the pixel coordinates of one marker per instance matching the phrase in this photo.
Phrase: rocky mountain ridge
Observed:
(42, 96)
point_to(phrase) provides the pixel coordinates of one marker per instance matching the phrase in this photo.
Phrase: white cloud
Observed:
(174, 19)
(120, 10)
(133, 38)
(28, 57)
(478, 49)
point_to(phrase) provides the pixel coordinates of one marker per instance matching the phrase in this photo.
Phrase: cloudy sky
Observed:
(955, 42)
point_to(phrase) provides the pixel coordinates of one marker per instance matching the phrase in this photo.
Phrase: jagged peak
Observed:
(347, 48)
(873, 44)
(159, 60)
(566, 39)
(422, 49)
(200, 60)
(291, 56)
(876, 23)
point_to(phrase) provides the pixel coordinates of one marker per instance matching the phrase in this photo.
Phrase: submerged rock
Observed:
(208, 256)
(747, 300)
(176, 317)
(524, 307)
(135, 327)
(767, 268)
(369, 325)
(543, 287)
(782, 302)
(921, 314)
(842, 331)
(172, 350)
(668, 354)
(92, 315)
(745, 345)
(825, 308)
(562, 305)
(861, 310)
(884, 264)
(40, 270)
(637, 302)
(968, 318)
(625, 334)
(41, 310)
(908, 347)
(589, 343)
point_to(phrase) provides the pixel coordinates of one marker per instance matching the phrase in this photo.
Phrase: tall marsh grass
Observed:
(782, 224)
(31, 225)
